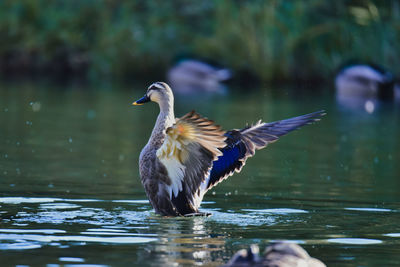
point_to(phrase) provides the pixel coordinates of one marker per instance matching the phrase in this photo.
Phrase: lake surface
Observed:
(70, 192)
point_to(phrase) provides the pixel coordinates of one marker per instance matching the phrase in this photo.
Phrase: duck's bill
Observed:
(141, 101)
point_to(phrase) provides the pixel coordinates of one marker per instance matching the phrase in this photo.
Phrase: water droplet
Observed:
(105, 174)
(36, 106)
(18, 143)
(6, 155)
(12, 185)
(28, 123)
(70, 140)
(50, 185)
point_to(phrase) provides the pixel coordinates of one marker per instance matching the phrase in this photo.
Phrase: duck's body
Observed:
(365, 81)
(280, 254)
(185, 157)
(193, 77)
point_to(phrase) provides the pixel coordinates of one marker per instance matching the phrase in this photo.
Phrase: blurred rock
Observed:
(192, 76)
(280, 254)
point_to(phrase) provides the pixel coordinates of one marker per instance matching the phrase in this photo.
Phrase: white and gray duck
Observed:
(185, 157)
(366, 81)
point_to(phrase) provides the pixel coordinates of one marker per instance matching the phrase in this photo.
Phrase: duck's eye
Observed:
(156, 86)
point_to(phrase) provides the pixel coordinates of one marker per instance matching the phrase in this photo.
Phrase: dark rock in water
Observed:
(280, 254)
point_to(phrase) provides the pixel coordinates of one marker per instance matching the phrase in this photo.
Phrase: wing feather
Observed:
(242, 144)
(189, 148)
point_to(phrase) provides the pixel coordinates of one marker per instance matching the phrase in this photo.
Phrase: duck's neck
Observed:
(165, 119)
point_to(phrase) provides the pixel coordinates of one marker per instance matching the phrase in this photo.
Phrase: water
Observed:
(70, 192)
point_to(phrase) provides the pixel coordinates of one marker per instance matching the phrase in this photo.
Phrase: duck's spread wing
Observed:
(190, 147)
(242, 144)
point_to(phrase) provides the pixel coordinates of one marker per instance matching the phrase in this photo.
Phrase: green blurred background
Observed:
(129, 40)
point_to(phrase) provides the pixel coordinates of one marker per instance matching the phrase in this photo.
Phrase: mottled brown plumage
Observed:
(185, 157)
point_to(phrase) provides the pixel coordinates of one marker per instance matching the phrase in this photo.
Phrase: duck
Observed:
(192, 76)
(185, 157)
(365, 81)
(279, 254)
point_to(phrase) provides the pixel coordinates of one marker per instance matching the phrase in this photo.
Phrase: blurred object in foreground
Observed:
(363, 86)
(280, 254)
(192, 76)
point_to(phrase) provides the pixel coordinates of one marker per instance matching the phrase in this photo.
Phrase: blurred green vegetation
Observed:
(273, 40)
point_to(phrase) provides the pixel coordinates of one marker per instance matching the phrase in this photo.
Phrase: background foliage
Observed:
(272, 40)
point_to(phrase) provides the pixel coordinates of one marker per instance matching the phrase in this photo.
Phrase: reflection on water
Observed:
(70, 191)
(187, 241)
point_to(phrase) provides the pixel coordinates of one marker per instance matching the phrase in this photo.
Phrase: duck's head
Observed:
(158, 92)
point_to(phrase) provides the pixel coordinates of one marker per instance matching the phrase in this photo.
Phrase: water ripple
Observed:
(93, 216)
(241, 219)
(71, 259)
(393, 234)
(107, 230)
(370, 209)
(18, 246)
(19, 200)
(116, 234)
(276, 211)
(355, 241)
(139, 201)
(59, 206)
(77, 238)
(43, 231)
